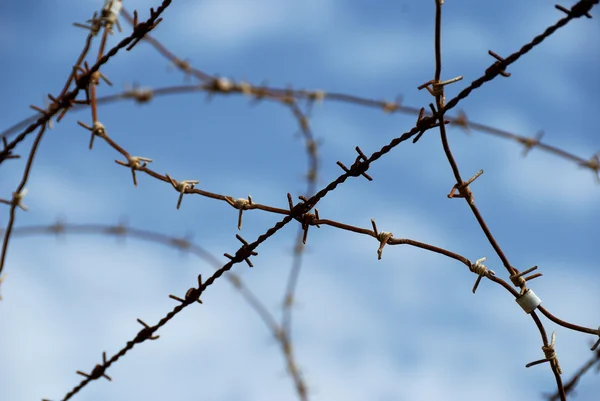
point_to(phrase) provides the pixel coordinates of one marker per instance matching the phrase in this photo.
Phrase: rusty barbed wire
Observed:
(121, 230)
(18, 195)
(358, 168)
(137, 162)
(222, 85)
(297, 212)
(247, 249)
(61, 104)
(529, 301)
(143, 95)
(225, 86)
(301, 210)
(146, 94)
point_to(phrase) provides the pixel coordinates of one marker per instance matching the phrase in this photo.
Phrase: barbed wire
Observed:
(144, 95)
(86, 78)
(183, 244)
(60, 105)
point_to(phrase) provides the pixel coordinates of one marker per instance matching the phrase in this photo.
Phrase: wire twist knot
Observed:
(481, 270)
(549, 354)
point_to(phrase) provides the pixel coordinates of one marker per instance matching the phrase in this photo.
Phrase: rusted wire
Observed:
(87, 78)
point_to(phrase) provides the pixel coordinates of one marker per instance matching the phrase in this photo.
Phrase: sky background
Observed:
(406, 327)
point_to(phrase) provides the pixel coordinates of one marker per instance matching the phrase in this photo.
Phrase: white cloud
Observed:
(570, 43)
(54, 191)
(376, 52)
(549, 184)
(230, 24)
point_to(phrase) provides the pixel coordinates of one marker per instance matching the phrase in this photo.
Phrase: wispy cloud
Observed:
(232, 24)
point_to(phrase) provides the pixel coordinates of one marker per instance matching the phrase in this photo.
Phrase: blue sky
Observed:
(401, 328)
